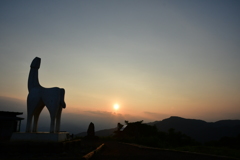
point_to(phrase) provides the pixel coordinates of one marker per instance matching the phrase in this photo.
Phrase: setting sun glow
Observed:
(116, 106)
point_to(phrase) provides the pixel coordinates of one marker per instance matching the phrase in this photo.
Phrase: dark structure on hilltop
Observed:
(144, 134)
(9, 123)
(91, 132)
(135, 130)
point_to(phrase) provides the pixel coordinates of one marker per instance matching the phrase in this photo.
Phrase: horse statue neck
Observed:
(33, 74)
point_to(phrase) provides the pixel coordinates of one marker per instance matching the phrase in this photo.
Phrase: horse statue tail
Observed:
(62, 93)
(33, 74)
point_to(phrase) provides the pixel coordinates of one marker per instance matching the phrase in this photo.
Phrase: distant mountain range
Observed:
(101, 133)
(198, 129)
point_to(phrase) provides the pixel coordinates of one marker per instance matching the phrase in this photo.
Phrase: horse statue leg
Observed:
(36, 117)
(61, 106)
(29, 122)
(58, 120)
(53, 115)
(32, 105)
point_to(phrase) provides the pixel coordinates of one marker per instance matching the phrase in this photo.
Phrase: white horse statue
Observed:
(38, 97)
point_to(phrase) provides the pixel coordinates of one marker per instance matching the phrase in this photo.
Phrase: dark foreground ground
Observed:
(121, 151)
(71, 150)
(112, 150)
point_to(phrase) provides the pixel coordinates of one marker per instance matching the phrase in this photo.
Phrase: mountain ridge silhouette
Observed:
(199, 130)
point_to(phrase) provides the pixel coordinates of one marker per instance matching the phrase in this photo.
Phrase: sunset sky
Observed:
(155, 58)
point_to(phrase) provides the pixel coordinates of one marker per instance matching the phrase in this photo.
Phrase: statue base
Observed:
(39, 137)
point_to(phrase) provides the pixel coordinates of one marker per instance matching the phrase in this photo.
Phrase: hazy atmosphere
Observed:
(155, 59)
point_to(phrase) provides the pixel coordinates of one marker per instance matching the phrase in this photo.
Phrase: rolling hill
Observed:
(198, 129)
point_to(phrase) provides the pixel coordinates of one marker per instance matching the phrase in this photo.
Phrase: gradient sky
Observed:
(155, 58)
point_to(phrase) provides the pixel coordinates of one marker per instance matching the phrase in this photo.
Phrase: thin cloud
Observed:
(78, 122)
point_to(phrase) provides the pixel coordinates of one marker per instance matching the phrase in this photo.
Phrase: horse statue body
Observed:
(38, 97)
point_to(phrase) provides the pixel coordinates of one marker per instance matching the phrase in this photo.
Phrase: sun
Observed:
(116, 106)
